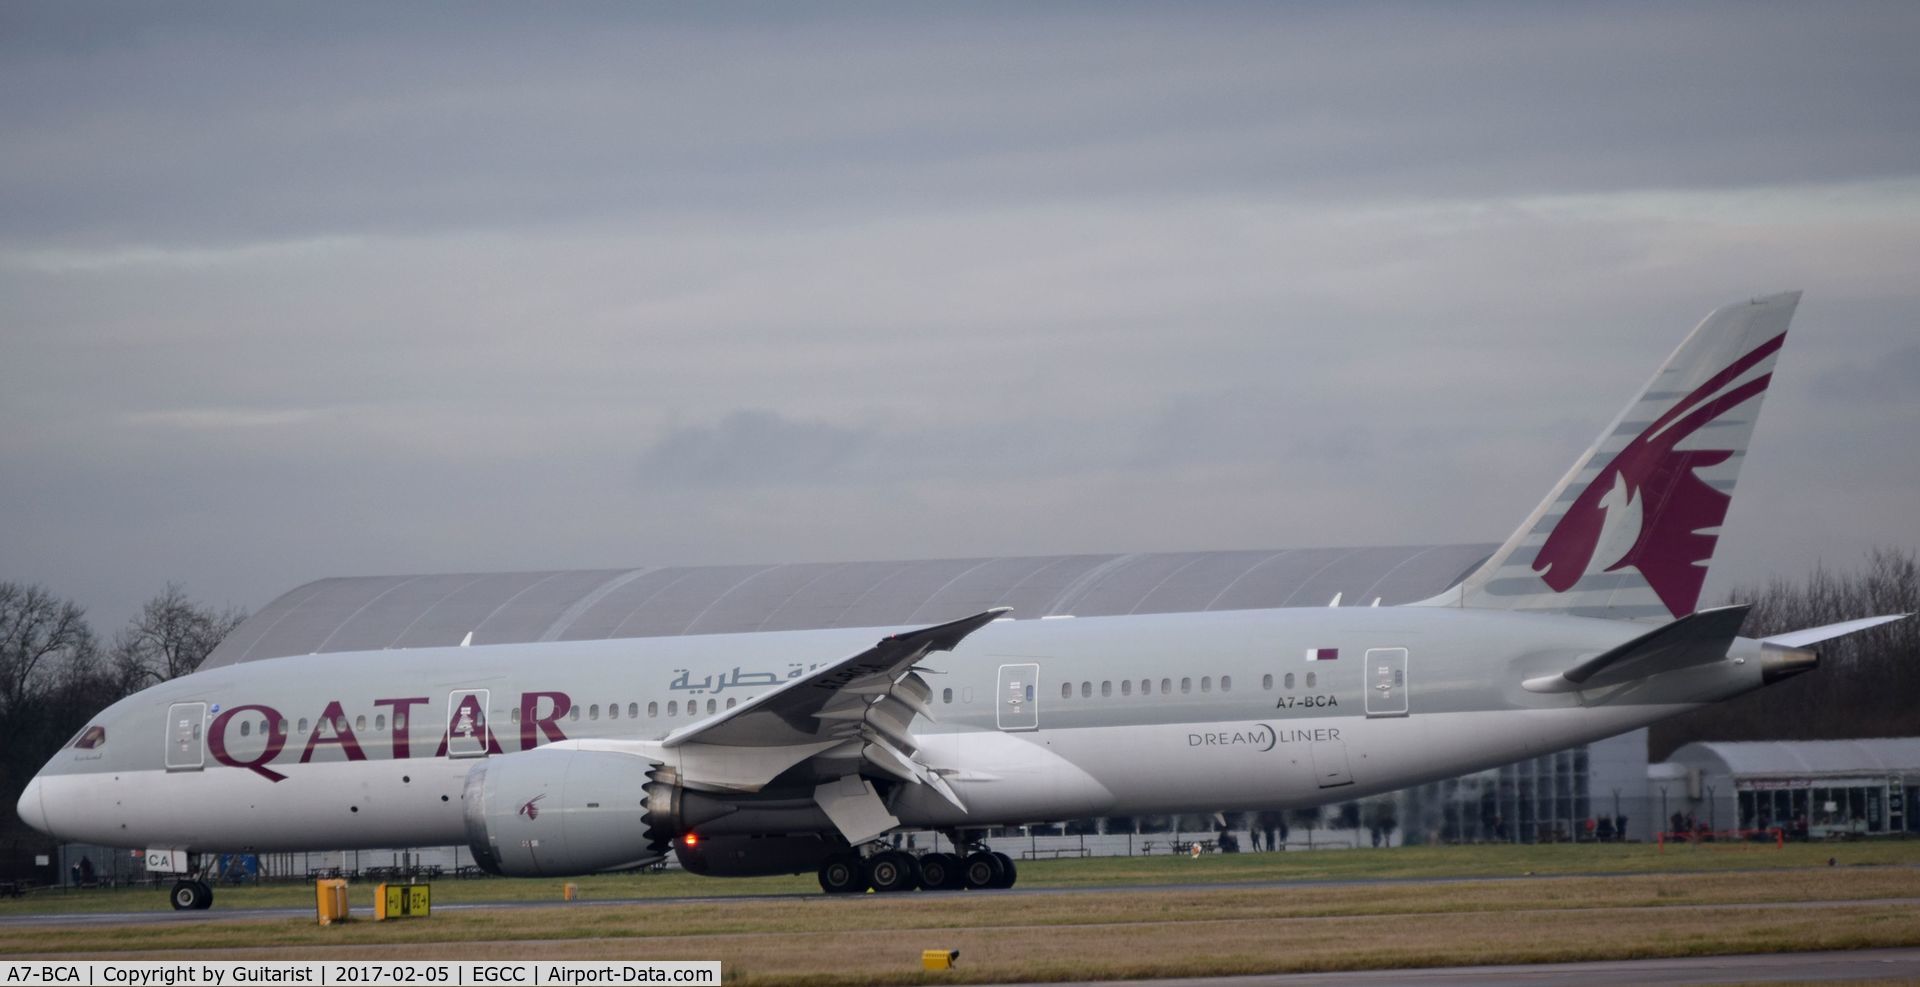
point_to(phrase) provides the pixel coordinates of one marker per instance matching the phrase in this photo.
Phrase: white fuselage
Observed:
(1033, 720)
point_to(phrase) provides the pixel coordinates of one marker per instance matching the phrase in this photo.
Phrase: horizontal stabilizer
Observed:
(1815, 635)
(1697, 639)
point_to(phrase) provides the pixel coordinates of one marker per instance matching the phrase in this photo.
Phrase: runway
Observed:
(219, 914)
(1865, 964)
(850, 922)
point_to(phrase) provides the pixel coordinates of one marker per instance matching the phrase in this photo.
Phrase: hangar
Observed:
(369, 613)
(1810, 788)
(1540, 798)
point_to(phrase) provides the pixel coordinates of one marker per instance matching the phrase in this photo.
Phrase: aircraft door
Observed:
(1386, 681)
(1017, 701)
(186, 729)
(467, 733)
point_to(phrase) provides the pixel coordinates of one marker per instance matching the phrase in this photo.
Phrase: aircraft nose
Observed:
(32, 811)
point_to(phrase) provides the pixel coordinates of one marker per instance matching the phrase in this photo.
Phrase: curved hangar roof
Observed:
(1804, 758)
(367, 613)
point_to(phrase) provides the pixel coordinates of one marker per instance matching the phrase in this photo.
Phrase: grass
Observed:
(1616, 903)
(1399, 863)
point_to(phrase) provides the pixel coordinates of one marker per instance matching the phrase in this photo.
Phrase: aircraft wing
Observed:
(822, 705)
(849, 718)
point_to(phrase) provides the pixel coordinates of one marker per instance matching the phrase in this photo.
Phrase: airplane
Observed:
(794, 751)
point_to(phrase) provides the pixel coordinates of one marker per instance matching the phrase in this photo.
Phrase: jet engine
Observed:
(549, 812)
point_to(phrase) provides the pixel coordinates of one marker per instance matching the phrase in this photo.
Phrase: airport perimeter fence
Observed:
(82, 866)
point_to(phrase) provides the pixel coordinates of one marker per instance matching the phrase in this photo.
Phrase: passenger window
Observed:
(613, 711)
(1289, 680)
(1166, 687)
(303, 724)
(653, 709)
(1266, 682)
(633, 711)
(1310, 679)
(574, 714)
(673, 708)
(283, 726)
(1186, 686)
(1086, 690)
(946, 697)
(1106, 689)
(400, 720)
(360, 722)
(593, 711)
(1226, 683)
(1066, 690)
(380, 722)
(1206, 683)
(1146, 687)
(246, 728)
(1126, 687)
(730, 702)
(712, 707)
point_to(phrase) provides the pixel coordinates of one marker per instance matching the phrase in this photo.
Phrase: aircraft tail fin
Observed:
(1629, 531)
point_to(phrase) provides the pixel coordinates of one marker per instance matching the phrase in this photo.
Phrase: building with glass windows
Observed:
(1810, 788)
(1594, 792)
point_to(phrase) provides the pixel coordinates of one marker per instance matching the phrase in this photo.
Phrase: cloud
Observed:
(250, 126)
(221, 418)
(753, 447)
(1888, 379)
(288, 293)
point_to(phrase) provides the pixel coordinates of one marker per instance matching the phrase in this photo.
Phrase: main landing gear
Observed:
(191, 896)
(894, 870)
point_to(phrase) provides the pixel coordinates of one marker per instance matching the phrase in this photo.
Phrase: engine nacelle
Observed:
(545, 812)
(755, 856)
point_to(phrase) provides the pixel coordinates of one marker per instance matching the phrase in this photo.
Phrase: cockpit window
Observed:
(90, 738)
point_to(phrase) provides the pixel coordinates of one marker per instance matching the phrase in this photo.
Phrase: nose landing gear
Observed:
(191, 896)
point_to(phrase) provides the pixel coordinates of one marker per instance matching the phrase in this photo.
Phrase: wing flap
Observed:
(853, 716)
(797, 711)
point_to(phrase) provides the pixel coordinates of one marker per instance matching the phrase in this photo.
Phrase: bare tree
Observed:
(170, 638)
(1866, 682)
(42, 638)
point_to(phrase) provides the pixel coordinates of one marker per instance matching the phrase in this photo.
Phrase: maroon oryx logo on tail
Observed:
(1671, 503)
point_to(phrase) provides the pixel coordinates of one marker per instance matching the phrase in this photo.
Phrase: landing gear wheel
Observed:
(190, 896)
(942, 871)
(842, 874)
(892, 871)
(1008, 872)
(983, 870)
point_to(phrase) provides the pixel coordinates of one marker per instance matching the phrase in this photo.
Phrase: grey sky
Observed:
(289, 291)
